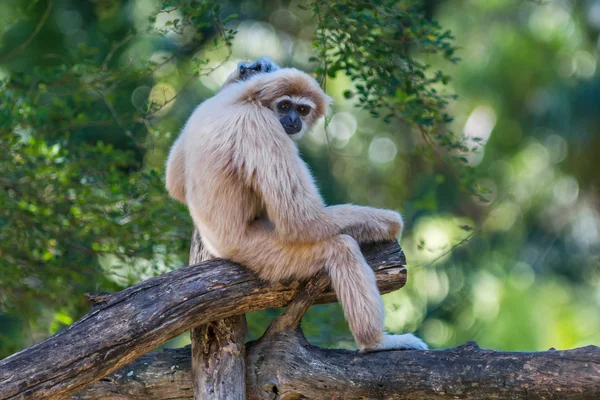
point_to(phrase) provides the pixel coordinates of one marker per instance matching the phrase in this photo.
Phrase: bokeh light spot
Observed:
(341, 128)
(566, 190)
(382, 150)
(161, 98)
(477, 130)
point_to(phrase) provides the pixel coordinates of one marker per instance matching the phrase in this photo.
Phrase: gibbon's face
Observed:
(293, 114)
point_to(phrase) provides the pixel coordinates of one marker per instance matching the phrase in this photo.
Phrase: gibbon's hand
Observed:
(263, 65)
(247, 69)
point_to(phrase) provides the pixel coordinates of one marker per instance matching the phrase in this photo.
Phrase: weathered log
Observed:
(130, 323)
(284, 366)
(218, 349)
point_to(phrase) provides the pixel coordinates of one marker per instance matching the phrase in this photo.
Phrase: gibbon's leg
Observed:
(366, 224)
(351, 277)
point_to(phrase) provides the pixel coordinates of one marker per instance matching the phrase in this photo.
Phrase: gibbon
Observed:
(254, 200)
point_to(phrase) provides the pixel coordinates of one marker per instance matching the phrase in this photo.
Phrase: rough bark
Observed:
(218, 350)
(123, 326)
(284, 366)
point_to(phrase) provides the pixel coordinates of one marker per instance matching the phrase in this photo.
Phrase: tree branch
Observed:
(138, 319)
(291, 317)
(218, 350)
(284, 366)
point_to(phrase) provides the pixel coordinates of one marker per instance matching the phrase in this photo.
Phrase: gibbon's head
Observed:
(294, 96)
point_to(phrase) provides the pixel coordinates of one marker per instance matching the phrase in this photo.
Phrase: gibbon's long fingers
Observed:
(246, 70)
(356, 288)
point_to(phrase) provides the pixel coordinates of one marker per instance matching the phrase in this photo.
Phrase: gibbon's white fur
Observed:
(255, 202)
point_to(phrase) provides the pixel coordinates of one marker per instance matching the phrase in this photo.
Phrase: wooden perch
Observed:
(123, 326)
(218, 349)
(284, 366)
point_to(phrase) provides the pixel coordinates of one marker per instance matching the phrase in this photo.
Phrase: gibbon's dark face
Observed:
(290, 115)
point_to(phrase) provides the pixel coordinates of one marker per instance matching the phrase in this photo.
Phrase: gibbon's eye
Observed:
(303, 110)
(284, 105)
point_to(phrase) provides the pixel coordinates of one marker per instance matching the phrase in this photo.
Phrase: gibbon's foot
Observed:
(407, 341)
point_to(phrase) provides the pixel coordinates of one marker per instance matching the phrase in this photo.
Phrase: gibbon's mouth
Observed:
(292, 129)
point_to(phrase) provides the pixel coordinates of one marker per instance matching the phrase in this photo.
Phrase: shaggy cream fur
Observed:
(255, 201)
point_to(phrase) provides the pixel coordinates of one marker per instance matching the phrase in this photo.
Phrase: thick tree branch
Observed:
(130, 323)
(284, 366)
(218, 350)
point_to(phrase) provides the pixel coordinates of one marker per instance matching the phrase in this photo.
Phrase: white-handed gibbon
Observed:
(254, 200)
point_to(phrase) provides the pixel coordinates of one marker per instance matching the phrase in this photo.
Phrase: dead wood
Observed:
(125, 325)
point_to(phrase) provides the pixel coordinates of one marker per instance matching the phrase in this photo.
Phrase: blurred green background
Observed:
(94, 92)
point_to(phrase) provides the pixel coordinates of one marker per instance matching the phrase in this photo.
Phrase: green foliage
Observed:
(383, 47)
(65, 203)
(77, 202)
(374, 44)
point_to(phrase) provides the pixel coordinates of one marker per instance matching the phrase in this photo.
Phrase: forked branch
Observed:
(291, 317)
(125, 325)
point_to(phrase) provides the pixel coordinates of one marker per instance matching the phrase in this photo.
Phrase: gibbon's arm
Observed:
(175, 174)
(175, 171)
(272, 167)
(365, 224)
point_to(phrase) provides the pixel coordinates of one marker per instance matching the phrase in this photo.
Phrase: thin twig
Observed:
(451, 249)
(115, 48)
(118, 118)
(185, 84)
(467, 239)
(32, 36)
